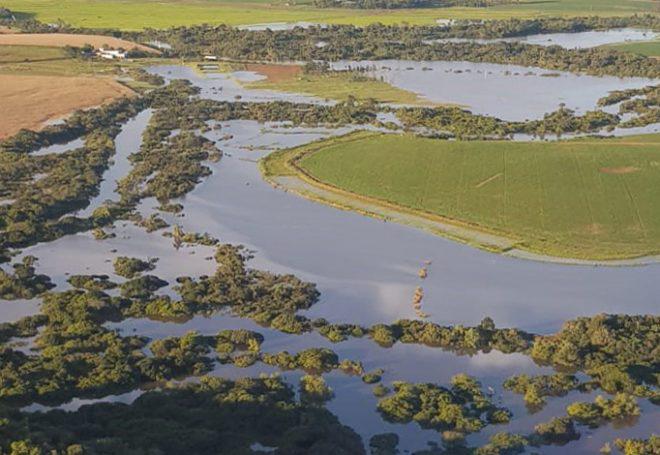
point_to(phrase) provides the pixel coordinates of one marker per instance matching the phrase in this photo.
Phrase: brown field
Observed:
(31, 101)
(619, 170)
(275, 73)
(65, 39)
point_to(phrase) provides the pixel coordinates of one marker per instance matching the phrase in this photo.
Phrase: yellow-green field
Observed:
(588, 199)
(138, 14)
(24, 54)
(649, 49)
(338, 86)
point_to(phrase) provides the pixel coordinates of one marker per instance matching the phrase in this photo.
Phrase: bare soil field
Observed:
(31, 101)
(276, 73)
(65, 39)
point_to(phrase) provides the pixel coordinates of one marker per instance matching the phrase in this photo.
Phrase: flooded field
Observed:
(275, 26)
(577, 40)
(487, 89)
(365, 269)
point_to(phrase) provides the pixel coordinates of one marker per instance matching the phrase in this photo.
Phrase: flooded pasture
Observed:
(485, 88)
(574, 40)
(366, 269)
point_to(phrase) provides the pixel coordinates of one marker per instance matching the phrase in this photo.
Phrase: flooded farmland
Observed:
(575, 40)
(366, 270)
(486, 89)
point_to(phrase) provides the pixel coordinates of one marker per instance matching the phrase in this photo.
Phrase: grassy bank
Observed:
(140, 14)
(586, 199)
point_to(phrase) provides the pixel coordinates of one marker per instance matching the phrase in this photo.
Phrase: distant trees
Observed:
(378, 42)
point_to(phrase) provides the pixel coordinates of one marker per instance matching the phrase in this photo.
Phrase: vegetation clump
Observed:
(131, 267)
(626, 342)
(559, 430)
(314, 390)
(24, 282)
(384, 444)
(603, 409)
(639, 446)
(314, 360)
(536, 388)
(503, 444)
(457, 409)
(231, 340)
(373, 377)
(188, 418)
(91, 282)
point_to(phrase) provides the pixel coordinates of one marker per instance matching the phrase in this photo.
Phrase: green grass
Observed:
(649, 49)
(340, 86)
(138, 14)
(589, 199)
(21, 54)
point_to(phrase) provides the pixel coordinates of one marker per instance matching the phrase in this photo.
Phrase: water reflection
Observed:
(60, 148)
(488, 89)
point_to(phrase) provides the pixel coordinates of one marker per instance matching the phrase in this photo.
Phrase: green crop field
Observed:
(138, 14)
(592, 199)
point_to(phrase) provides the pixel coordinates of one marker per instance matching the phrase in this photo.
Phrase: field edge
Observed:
(281, 170)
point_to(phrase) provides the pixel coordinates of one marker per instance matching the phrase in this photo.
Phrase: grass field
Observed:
(22, 54)
(334, 86)
(650, 49)
(65, 39)
(588, 199)
(138, 14)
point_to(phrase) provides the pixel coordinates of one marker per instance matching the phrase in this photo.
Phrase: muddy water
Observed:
(367, 272)
(489, 89)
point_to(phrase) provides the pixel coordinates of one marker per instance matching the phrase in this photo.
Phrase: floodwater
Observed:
(227, 86)
(577, 40)
(60, 148)
(366, 270)
(276, 26)
(488, 89)
(127, 142)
